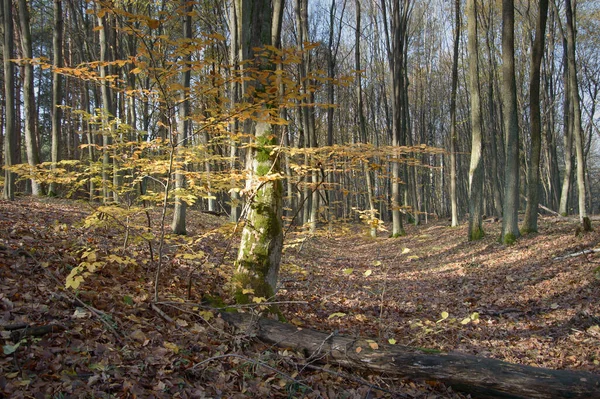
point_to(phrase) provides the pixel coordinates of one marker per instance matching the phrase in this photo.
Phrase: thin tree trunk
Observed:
(179, 225)
(56, 88)
(453, 134)
(10, 132)
(31, 145)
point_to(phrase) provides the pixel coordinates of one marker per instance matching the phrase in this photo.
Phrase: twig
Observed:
(584, 252)
(161, 313)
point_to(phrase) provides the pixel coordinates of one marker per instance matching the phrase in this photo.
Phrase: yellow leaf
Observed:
(337, 314)
(259, 299)
(153, 23)
(392, 341)
(368, 273)
(405, 251)
(348, 271)
(465, 321)
(206, 315)
(246, 291)
(173, 347)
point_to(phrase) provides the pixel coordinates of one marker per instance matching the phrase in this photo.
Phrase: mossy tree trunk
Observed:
(257, 266)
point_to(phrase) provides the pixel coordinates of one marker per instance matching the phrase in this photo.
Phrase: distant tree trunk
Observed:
(453, 134)
(476, 167)
(106, 112)
(531, 211)
(57, 62)
(510, 210)
(234, 95)
(577, 126)
(10, 132)
(259, 254)
(31, 146)
(179, 225)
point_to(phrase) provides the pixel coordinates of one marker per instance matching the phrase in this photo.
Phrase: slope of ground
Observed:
(430, 289)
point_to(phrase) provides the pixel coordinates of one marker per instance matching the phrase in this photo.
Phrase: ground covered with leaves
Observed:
(106, 336)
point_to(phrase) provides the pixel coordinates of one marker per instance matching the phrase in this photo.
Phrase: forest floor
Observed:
(430, 289)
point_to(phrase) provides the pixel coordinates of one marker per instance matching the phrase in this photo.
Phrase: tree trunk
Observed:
(10, 132)
(531, 212)
(453, 134)
(178, 225)
(56, 88)
(31, 145)
(106, 112)
(575, 102)
(510, 209)
(478, 376)
(476, 167)
(567, 138)
(259, 254)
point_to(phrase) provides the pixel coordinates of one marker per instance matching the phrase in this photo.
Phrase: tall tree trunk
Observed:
(107, 111)
(10, 132)
(510, 210)
(362, 124)
(31, 145)
(453, 134)
(530, 221)
(577, 127)
(259, 254)
(476, 167)
(396, 58)
(567, 137)
(179, 225)
(57, 62)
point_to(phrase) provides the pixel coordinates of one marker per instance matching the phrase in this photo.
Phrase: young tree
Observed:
(262, 237)
(476, 167)
(510, 210)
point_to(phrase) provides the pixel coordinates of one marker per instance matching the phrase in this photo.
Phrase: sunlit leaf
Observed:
(337, 314)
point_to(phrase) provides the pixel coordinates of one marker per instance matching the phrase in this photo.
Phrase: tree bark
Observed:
(10, 132)
(178, 225)
(453, 134)
(531, 219)
(575, 102)
(56, 88)
(31, 145)
(479, 376)
(261, 244)
(476, 167)
(510, 209)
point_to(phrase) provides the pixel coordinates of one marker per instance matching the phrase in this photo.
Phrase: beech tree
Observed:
(510, 211)
(262, 237)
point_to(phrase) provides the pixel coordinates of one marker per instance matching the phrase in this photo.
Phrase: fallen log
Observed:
(479, 376)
